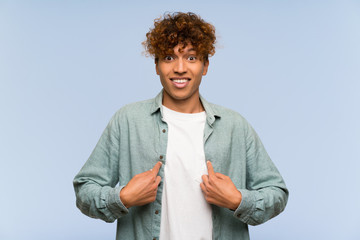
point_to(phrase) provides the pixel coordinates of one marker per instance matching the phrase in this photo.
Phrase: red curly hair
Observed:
(180, 28)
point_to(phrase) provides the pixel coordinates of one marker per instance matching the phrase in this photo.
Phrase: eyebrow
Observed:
(190, 51)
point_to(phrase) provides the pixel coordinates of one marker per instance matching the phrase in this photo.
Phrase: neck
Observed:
(189, 105)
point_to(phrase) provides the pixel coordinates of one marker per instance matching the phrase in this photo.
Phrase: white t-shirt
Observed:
(184, 213)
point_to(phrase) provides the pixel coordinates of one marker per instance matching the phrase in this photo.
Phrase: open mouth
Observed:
(180, 82)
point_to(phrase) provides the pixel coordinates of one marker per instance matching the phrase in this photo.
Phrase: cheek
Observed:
(201, 72)
(160, 74)
(163, 81)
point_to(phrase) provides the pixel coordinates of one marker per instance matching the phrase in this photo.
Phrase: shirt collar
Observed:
(211, 113)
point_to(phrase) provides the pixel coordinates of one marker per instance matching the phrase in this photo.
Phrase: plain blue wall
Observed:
(292, 68)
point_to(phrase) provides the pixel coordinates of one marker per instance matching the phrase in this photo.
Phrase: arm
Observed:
(96, 194)
(265, 195)
(95, 185)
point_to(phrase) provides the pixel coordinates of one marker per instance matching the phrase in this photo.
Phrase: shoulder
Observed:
(233, 122)
(227, 114)
(134, 111)
(136, 107)
(229, 120)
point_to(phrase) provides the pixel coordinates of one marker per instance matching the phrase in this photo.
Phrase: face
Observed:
(180, 75)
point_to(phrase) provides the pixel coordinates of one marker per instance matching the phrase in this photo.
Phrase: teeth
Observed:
(180, 80)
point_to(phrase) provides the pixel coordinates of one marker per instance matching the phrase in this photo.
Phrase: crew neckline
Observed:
(169, 113)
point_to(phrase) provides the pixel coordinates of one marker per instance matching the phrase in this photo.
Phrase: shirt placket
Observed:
(163, 139)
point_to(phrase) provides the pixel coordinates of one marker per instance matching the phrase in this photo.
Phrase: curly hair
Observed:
(180, 29)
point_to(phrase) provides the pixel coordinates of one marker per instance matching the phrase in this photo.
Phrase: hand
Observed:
(142, 188)
(219, 190)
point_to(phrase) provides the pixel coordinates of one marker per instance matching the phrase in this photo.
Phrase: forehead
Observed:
(182, 49)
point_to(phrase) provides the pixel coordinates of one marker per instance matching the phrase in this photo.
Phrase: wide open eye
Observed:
(168, 58)
(192, 58)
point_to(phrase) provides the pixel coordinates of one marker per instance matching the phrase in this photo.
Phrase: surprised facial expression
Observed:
(181, 74)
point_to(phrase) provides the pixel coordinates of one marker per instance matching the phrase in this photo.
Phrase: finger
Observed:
(210, 169)
(157, 180)
(205, 179)
(220, 175)
(156, 168)
(203, 188)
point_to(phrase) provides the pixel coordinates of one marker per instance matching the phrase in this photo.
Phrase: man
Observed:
(186, 168)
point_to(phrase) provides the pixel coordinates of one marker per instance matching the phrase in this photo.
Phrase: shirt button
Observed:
(238, 215)
(164, 130)
(161, 156)
(156, 212)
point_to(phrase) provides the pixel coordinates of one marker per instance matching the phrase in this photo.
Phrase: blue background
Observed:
(291, 68)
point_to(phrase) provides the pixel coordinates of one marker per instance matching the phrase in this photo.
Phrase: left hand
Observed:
(219, 190)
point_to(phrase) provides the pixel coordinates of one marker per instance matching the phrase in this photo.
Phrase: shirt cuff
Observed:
(246, 206)
(114, 203)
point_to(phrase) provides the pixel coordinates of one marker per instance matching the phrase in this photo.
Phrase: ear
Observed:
(157, 67)
(206, 65)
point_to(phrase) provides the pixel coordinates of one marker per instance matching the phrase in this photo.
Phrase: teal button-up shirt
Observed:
(136, 138)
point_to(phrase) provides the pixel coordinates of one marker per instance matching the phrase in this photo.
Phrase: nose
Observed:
(180, 66)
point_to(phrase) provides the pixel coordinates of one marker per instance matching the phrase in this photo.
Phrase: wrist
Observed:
(123, 198)
(236, 201)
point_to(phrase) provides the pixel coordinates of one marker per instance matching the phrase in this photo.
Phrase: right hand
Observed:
(142, 188)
